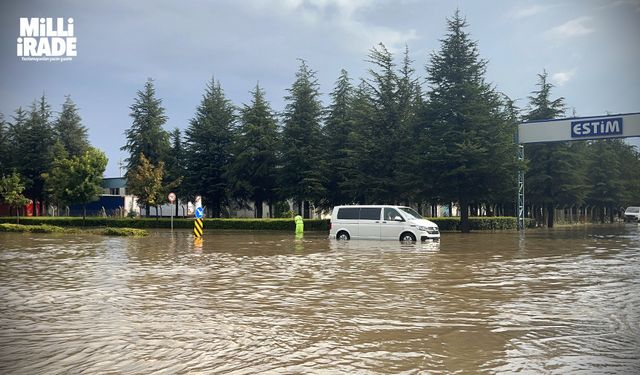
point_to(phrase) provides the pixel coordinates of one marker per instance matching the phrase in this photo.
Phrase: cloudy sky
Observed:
(590, 48)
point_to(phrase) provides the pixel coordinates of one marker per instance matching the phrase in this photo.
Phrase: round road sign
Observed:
(199, 213)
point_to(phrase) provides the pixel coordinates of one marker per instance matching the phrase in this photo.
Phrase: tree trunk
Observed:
(611, 214)
(84, 214)
(306, 210)
(464, 216)
(299, 207)
(550, 215)
(259, 212)
(147, 210)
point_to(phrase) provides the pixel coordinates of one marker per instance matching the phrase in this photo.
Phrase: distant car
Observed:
(632, 214)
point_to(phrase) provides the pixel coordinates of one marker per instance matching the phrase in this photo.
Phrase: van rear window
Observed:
(370, 213)
(348, 213)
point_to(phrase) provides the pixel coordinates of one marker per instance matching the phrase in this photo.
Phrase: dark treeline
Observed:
(389, 137)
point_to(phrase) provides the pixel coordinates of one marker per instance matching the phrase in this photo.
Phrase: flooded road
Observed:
(554, 302)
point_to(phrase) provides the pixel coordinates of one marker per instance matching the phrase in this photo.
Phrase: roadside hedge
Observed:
(243, 224)
(47, 228)
(481, 223)
(444, 223)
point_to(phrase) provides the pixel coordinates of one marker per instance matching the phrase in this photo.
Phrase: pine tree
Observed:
(407, 160)
(339, 125)
(385, 126)
(630, 159)
(146, 134)
(303, 168)
(360, 153)
(466, 127)
(208, 141)
(175, 166)
(555, 170)
(32, 138)
(69, 130)
(606, 174)
(5, 154)
(253, 172)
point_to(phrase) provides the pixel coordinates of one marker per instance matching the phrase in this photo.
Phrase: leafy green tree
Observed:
(32, 138)
(303, 168)
(77, 179)
(466, 127)
(146, 134)
(208, 141)
(555, 172)
(339, 124)
(11, 191)
(252, 173)
(145, 182)
(69, 131)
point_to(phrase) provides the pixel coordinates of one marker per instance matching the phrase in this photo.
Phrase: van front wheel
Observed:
(407, 237)
(342, 235)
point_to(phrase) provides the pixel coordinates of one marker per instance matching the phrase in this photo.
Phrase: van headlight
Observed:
(422, 229)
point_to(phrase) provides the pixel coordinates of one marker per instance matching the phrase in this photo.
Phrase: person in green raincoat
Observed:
(299, 224)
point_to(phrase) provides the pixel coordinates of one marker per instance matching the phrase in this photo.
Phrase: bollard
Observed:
(197, 228)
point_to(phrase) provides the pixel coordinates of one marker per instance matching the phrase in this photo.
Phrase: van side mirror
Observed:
(397, 218)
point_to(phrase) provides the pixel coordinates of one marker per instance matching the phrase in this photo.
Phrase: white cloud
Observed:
(574, 28)
(528, 11)
(341, 16)
(560, 78)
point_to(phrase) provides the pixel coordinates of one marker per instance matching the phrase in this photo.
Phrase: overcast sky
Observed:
(590, 49)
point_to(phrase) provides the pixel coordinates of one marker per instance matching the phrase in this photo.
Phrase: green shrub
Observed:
(480, 223)
(123, 232)
(7, 227)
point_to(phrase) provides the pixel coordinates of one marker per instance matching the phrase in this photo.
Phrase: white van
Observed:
(380, 223)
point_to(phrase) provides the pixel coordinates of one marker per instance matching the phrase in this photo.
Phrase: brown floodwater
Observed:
(552, 302)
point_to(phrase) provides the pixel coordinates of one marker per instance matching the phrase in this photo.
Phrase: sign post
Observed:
(197, 224)
(571, 129)
(172, 198)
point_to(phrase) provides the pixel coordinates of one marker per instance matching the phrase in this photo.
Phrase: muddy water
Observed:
(561, 301)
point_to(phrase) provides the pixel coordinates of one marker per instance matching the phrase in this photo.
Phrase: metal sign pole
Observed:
(521, 190)
(172, 198)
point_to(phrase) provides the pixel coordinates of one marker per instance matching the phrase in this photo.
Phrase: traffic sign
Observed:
(199, 213)
(171, 197)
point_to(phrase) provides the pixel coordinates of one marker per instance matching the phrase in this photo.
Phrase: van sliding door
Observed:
(369, 223)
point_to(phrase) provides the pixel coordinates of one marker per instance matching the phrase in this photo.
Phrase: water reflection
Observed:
(553, 301)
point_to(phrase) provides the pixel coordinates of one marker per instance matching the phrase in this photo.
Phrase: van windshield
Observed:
(633, 210)
(411, 213)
